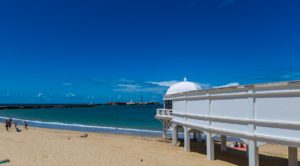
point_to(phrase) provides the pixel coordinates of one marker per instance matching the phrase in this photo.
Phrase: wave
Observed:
(75, 125)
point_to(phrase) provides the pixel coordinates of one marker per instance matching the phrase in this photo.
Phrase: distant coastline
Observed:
(39, 106)
(132, 103)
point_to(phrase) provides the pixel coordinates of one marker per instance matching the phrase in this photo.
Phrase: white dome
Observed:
(184, 86)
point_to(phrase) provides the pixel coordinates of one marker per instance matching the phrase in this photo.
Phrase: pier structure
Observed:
(257, 114)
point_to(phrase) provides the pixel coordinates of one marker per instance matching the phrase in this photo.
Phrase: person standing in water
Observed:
(10, 121)
(25, 125)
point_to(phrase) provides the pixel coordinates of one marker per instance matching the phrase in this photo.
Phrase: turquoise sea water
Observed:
(137, 119)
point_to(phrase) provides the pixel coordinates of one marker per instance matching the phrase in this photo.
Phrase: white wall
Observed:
(198, 107)
(179, 107)
(274, 110)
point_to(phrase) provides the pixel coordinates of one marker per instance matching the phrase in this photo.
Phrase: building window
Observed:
(168, 104)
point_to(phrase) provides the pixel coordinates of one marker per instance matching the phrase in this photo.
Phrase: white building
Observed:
(258, 114)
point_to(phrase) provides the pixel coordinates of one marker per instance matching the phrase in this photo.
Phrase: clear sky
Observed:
(62, 51)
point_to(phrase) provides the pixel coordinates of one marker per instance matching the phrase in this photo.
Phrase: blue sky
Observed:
(62, 51)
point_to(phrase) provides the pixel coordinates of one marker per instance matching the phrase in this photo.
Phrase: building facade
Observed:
(257, 114)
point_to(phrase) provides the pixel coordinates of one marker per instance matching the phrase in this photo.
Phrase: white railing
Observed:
(267, 113)
(162, 112)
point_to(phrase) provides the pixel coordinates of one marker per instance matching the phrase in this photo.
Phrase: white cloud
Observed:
(133, 88)
(70, 94)
(39, 95)
(203, 85)
(126, 80)
(163, 83)
(172, 82)
(129, 86)
(67, 84)
(228, 85)
(158, 90)
(90, 97)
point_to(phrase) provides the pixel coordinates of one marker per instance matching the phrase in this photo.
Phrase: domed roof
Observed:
(184, 86)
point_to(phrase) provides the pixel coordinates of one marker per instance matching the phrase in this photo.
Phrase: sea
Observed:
(120, 119)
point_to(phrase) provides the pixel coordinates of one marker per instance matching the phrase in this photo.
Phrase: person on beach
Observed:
(236, 145)
(25, 125)
(9, 122)
(6, 125)
(242, 145)
(16, 125)
(18, 130)
(84, 135)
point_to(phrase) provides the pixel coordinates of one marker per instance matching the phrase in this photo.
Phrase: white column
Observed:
(223, 143)
(247, 150)
(186, 139)
(210, 146)
(175, 135)
(253, 155)
(164, 132)
(293, 156)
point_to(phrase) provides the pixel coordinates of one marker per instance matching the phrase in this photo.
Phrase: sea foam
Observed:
(88, 128)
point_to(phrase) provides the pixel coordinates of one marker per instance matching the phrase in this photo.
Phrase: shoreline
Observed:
(87, 128)
(40, 146)
(42, 106)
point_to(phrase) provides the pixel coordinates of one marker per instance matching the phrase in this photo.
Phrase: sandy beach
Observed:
(38, 146)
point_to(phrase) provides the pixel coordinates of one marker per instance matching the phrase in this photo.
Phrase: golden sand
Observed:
(47, 147)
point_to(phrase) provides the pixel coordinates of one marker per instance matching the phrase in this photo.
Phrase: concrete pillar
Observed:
(293, 156)
(164, 132)
(253, 155)
(175, 135)
(223, 143)
(186, 139)
(210, 146)
(247, 151)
